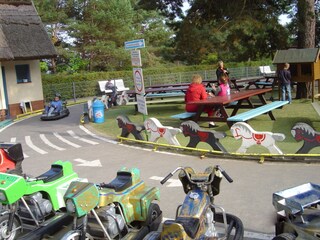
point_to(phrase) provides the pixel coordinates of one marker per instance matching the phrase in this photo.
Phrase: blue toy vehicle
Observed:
(298, 215)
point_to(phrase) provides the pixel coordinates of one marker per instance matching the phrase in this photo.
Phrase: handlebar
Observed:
(229, 179)
(217, 167)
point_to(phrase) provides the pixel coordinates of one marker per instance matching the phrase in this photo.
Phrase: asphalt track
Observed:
(249, 197)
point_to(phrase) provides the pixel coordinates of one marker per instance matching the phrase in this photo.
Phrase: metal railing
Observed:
(90, 88)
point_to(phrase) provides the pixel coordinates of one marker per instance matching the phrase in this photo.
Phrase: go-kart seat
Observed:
(55, 172)
(190, 225)
(15, 152)
(120, 183)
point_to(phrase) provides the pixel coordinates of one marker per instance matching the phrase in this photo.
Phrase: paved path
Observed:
(98, 158)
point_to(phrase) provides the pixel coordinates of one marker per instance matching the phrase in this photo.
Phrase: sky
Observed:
(283, 19)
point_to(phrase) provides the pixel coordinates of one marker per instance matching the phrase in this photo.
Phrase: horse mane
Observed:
(123, 119)
(191, 125)
(305, 127)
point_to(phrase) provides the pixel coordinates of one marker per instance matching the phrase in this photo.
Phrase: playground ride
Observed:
(298, 214)
(34, 207)
(11, 157)
(52, 114)
(125, 208)
(198, 216)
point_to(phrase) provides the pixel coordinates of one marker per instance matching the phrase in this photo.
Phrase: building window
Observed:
(23, 73)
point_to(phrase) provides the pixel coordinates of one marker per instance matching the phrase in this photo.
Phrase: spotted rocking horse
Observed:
(250, 137)
(157, 130)
(197, 135)
(129, 127)
(304, 132)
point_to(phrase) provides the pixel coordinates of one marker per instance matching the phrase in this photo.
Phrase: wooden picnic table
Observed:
(221, 102)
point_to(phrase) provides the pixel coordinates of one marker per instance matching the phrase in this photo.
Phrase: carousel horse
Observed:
(129, 127)
(157, 130)
(304, 132)
(196, 134)
(250, 137)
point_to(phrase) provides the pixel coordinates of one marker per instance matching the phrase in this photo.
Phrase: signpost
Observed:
(138, 81)
(134, 44)
(137, 74)
(136, 58)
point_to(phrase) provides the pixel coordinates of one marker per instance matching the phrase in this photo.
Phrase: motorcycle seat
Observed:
(121, 182)
(54, 173)
(190, 225)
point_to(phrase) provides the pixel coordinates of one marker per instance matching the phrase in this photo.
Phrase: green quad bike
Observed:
(34, 207)
(298, 213)
(122, 209)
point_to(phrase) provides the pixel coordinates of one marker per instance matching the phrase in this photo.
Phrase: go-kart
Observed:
(11, 156)
(298, 214)
(52, 114)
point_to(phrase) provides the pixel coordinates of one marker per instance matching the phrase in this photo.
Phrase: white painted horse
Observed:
(250, 137)
(157, 130)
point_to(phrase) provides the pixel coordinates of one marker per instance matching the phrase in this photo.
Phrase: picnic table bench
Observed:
(245, 116)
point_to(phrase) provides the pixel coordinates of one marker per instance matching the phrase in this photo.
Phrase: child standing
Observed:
(284, 76)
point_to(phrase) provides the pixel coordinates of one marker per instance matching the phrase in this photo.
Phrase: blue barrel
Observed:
(98, 111)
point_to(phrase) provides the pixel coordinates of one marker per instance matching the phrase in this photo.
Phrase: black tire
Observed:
(234, 223)
(153, 214)
(4, 226)
(285, 236)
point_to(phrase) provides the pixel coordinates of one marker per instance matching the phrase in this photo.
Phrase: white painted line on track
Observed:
(72, 134)
(32, 146)
(65, 140)
(46, 141)
(96, 136)
(133, 147)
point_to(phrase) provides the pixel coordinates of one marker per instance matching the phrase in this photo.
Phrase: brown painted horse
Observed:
(304, 132)
(196, 134)
(129, 127)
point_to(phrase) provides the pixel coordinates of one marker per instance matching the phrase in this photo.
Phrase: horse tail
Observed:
(278, 137)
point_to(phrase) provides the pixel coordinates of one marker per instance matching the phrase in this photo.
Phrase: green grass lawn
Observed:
(298, 111)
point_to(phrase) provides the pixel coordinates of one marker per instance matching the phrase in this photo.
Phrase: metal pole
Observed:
(74, 91)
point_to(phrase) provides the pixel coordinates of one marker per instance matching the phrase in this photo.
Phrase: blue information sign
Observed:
(134, 44)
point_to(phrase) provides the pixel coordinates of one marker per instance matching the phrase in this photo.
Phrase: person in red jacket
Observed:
(196, 91)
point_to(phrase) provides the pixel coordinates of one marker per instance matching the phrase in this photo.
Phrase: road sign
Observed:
(136, 58)
(134, 44)
(142, 104)
(138, 80)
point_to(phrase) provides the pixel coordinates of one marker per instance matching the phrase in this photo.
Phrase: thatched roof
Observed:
(22, 34)
(303, 55)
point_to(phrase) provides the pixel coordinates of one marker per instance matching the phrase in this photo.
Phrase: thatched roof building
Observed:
(22, 34)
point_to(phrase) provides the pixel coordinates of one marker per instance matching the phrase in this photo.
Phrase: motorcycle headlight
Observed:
(70, 206)
(2, 197)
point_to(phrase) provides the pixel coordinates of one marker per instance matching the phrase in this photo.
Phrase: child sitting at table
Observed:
(224, 88)
(196, 91)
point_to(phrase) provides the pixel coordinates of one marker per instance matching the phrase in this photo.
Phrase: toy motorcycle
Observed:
(122, 209)
(11, 157)
(34, 203)
(298, 215)
(196, 218)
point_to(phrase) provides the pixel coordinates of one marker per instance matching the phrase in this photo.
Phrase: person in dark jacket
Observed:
(221, 70)
(196, 91)
(284, 77)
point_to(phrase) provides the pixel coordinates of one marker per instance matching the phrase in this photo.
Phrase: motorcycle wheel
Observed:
(234, 223)
(153, 213)
(75, 235)
(285, 236)
(4, 225)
